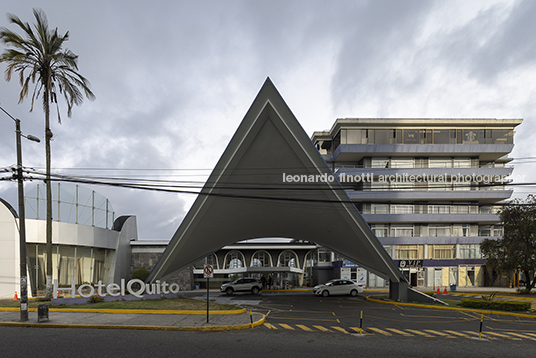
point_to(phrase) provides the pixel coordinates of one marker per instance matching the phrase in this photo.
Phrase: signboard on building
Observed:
(410, 263)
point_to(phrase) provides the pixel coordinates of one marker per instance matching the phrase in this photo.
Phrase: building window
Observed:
(261, 259)
(380, 230)
(287, 259)
(439, 230)
(470, 251)
(401, 209)
(379, 209)
(484, 230)
(461, 230)
(380, 162)
(441, 136)
(388, 248)
(438, 209)
(462, 162)
(440, 162)
(234, 260)
(209, 260)
(407, 252)
(402, 231)
(444, 251)
(402, 163)
(324, 255)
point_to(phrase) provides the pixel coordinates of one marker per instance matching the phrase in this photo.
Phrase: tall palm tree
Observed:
(41, 62)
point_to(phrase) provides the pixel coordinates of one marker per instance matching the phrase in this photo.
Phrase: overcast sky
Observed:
(173, 80)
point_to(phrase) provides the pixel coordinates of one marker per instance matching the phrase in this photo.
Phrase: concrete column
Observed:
(398, 291)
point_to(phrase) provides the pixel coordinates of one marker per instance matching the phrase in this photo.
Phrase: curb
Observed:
(137, 327)
(452, 308)
(96, 310)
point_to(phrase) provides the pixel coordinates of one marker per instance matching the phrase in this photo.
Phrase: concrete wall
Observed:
(9, 252)
(148, 256)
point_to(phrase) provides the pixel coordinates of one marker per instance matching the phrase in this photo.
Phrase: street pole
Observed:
(22, 230)
(22, 220)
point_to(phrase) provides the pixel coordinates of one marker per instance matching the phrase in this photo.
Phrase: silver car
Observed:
(338, 287)
(250, 284)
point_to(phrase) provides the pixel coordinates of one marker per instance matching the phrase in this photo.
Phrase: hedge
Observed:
(496, 305)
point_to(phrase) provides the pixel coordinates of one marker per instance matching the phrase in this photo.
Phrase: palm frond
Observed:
(39, 58)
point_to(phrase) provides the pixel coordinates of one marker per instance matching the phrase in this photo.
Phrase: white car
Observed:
(338, 287)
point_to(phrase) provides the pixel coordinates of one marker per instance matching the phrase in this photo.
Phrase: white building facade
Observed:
(430, 189)
(88, 243)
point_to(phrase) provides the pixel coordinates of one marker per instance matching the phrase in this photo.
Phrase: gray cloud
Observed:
(173, 79)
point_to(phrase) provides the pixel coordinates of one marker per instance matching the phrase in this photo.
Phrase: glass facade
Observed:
(425, 136)
(83, 264)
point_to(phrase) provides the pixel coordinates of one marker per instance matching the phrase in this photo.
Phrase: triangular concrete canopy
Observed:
(247, 197)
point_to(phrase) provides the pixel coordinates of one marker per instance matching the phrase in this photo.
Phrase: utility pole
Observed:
(22, 221)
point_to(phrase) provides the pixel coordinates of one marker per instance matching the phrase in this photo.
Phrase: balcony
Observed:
(355, 152)
(433, 172)
(432, 218)
(482, 196)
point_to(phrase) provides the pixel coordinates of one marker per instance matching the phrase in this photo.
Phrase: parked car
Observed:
(338, 287)
(242, 285)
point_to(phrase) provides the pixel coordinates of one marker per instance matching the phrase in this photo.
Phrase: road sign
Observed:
(208, 271)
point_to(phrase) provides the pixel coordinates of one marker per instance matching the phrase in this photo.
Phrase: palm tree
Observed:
(39, 59)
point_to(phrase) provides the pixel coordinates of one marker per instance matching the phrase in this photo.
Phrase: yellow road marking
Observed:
(324, 329)
(378, 330)
(340, 329)
(503, 336)
(458, 334)
(520, 335)
(419, 332)
(286, 326)
(269, 325)
(305, 328)
(476, 334)
(400, 332)
(362, 330)
(439, 333)
(531, 334)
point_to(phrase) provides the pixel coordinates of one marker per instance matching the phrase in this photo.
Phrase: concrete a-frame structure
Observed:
(248, 195)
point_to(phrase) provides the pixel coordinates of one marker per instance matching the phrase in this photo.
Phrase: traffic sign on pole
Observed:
(208, 271)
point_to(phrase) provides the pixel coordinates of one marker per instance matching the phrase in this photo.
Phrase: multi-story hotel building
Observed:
(428, 188)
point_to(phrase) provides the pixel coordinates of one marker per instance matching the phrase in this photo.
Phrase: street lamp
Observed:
(22, 220)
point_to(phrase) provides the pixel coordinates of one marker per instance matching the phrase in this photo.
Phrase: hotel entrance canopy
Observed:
(272, 182)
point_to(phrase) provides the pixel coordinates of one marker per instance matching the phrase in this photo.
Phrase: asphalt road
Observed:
(304, 309)
(298, 325)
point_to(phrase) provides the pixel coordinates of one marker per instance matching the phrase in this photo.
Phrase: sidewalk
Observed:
(217, 322)
(142, 319)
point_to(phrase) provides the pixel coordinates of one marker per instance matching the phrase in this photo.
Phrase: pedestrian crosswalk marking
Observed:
(286, 326)
(503, 336)
(477, 334)
(439, 333)
(419, 333)
(340, 329)
(380, 331)
(429, 333)
(358, 330)
(520, 335)
(458, 334)
(323, 329)
(400, 332)
(305, 328)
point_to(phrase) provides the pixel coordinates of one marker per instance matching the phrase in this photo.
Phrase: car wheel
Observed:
(255, 290)
(229, 291)
(325, 293)
(353, 293)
